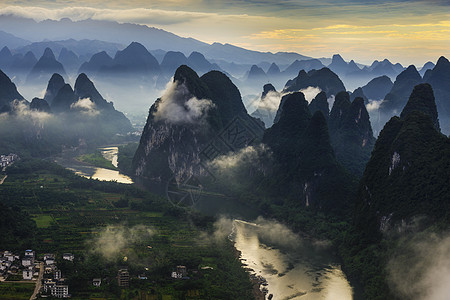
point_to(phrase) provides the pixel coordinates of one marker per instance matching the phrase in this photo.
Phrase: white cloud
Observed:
(178, 106)
(330, 101)
(373, 105)
(137, 15)
(113, 240)
(21, 109)
(271, 101)
(310, 93)
(248, 155)
(85, 106)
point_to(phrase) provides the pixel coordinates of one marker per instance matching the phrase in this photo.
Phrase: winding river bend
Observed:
(288, 266)
(68, 161)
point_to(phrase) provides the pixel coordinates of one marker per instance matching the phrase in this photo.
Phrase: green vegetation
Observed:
(86, 217)
(43, 221)
(17, 228)
(351, 133)
(16, 291)
(125, 157)
(97, 159)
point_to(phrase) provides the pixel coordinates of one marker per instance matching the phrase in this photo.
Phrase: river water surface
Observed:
(290, 267)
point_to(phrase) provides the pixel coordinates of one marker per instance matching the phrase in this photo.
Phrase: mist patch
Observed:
(112, 241)
(85, 106)
(373, 105)
(420, 267)
(178, 106)
(310, 92)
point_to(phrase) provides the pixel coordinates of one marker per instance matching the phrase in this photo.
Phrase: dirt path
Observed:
(1, 182)
(38, 282)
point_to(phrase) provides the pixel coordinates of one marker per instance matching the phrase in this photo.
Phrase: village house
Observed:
(9, 256)
(30, 253)
(123, 278)
(27, 261)
(6, 160)
(57, 274)
(68, 256)
(48, 285)
(27, 273)
(49, 259)
(179, 273)
(97, 282)
(50, 269)
(60, 291)
(13, 270)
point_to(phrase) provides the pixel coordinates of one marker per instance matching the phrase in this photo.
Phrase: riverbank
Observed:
(96, 159)
(256, 282)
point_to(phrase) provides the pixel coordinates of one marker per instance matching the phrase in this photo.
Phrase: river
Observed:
(68, 161)
(289, 266)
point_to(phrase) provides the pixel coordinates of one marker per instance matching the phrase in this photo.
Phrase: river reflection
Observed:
(110, 153)
(304, 270)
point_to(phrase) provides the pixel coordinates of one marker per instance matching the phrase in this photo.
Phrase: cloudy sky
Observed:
(403, 31)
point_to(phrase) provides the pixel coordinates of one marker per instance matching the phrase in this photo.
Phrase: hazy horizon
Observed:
(408, 32)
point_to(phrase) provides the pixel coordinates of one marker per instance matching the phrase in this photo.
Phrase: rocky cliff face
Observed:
(439, 79)
(195, 120)
(320, 103)
(408, 172)
(422, 100)
(8, 90)
(351, 133)
(305, 167)
(55, 83)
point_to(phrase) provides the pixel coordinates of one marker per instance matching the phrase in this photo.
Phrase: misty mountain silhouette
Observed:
(97, 62)
(64, 98)
(396, 99)
(359, 93)
(69, 60)
(378, 87)
(439, 78)
(5, 58)
(40, 105)
(325, 79)
(44, 68)
(55, 83)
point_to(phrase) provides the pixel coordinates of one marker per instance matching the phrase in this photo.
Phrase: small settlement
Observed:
(6, 160)
(15, 268)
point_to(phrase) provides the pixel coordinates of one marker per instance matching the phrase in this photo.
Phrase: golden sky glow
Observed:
(402, 31)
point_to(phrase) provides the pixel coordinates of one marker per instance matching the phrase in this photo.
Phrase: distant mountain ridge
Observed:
(125, 33)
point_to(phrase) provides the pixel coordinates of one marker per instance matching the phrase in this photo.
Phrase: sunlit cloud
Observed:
(403, 31)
